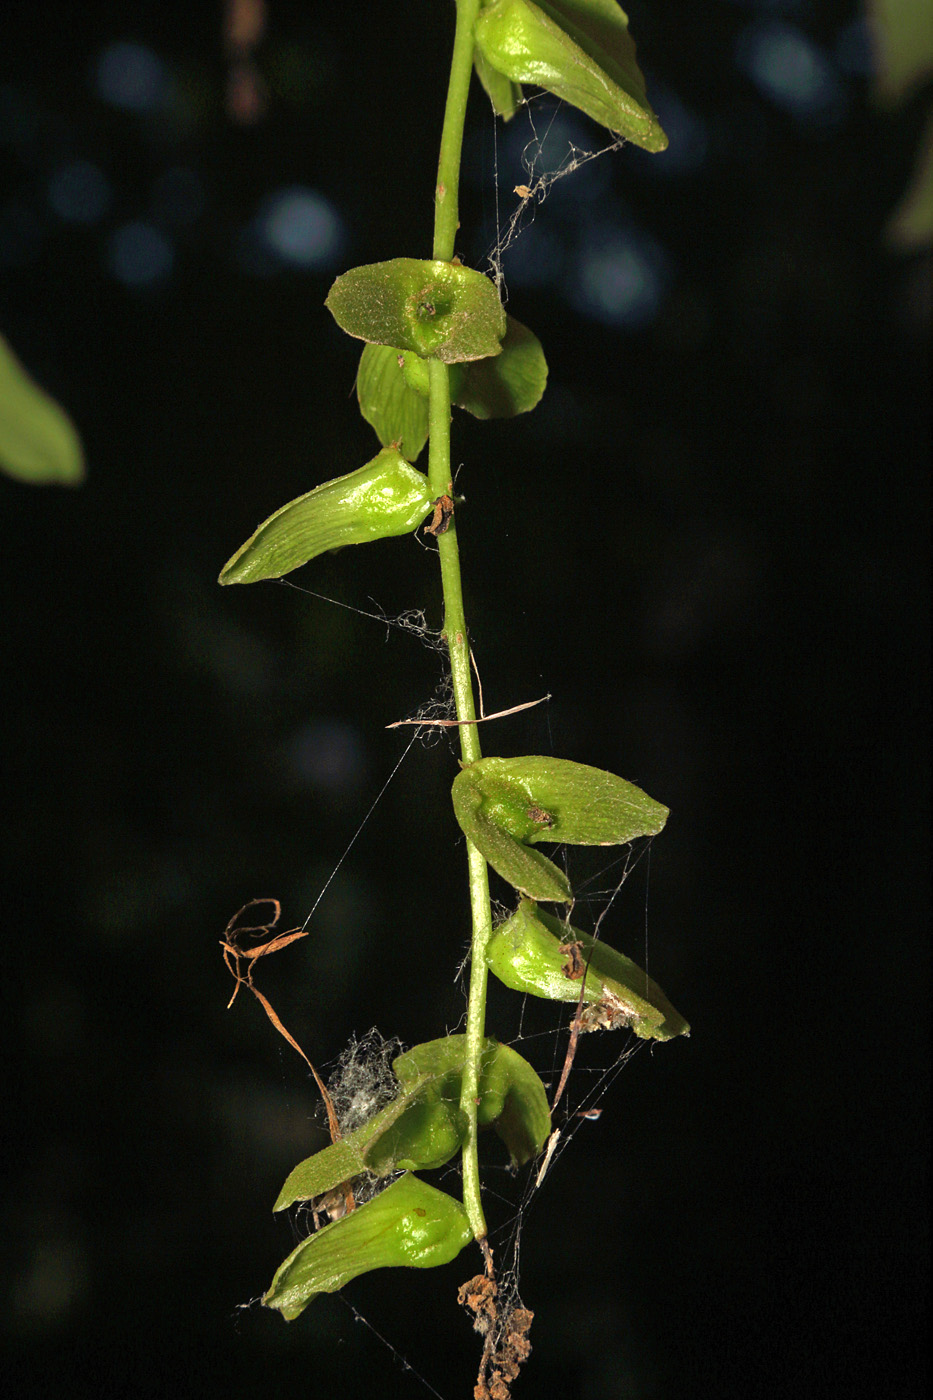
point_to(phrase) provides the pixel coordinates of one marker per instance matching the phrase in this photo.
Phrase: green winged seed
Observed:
(423, 1127)
(38, 441)
(511, 383)
(386, 497)
(512, 1097)
(317, 1175)
(529, 871)
(440, 310)
(397, 412)
(530, 953)
(392, 387)
(410, 1224)
(507, 805)
(581, 51)
(554, 799)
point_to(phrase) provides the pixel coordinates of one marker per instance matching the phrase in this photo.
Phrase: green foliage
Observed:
(507, 805)
(510, 384)
(903, 34)
(504, 95)
(38, 441)
(581, 51)
(532, 952)
(410, 1224)
(392, 387)
(389, 404)
(386, 497)
(437, 334)
(423, 1126)
(439, 310)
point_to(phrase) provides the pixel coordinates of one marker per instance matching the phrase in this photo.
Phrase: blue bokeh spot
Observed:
(301, 228)
(537, 260)
(79, 192)
(619, 278)
(791, 70)
(131, 76)
(140, 255)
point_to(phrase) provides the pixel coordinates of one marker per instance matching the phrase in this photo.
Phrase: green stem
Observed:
(446, 193)
(440, 476)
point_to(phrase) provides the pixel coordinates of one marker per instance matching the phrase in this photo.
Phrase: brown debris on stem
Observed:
(505, 1331)
(439, 523)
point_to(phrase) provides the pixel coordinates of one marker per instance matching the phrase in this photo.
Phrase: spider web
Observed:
(543, 164)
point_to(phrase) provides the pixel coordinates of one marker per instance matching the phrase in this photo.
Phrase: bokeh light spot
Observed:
(301, 228)
(140, 255)
(79, 192)
(791, 70)
(327, 755)
(537, 258)
(687, 135)
(619, 279)
(130, 76)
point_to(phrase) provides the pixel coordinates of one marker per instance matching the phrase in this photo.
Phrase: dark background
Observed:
(706, 544)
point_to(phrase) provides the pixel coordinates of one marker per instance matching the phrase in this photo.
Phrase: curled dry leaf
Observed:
(234, 954)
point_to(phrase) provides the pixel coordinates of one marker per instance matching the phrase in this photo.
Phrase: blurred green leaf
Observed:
(903, 33)
(910, 227)
(507, 805)
(581, 51)
(389, 404)
(529, 954)
(504, 95)
(409, 1224)
(386, 497)
(440, 310)
(38, 441)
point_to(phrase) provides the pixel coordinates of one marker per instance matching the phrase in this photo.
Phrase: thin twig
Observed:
(576, 1027)
(479, 684)
(455, 723)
